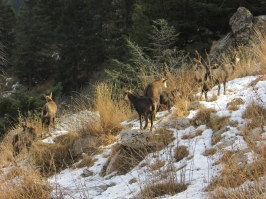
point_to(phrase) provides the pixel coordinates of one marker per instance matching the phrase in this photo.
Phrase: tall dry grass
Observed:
(22, 183)
(243, 171)
(112, 107)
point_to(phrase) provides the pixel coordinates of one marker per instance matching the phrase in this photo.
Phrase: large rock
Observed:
(79, 121)
(135, 138)
(242, 24)
(178, 123)
(83, 145)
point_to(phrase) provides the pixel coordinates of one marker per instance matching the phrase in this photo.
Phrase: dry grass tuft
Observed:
(192, 134)
(180, 153)
(209, 152)
(213, 98)
(236, 171)
(113, 109)
(167, 187)
(28, 184)
(216, 122)
(158, 164)
(234, 104)
(161, 138)
(124, 159)
(203, 116)
(87, 161)
(254, 190)
(181, 110)
(52, 158)
(256, 114)
(182, 76)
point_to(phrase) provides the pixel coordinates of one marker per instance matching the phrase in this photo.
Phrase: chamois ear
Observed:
(44, 96)
(51, 95)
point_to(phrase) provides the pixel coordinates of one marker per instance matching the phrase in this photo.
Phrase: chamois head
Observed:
(197, 65)
(48, 97)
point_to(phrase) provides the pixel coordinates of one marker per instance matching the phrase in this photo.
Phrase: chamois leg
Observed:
(151, 121)
(140, 121)
(53, 121)
(201, 95)
(146, 120)
(224, 87)
(219, 86)
(49, 127)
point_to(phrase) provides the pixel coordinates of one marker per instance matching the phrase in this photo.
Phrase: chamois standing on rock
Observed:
(154, 89)
(145, 106)
(24, 139)
(209, 77)
(48, 113)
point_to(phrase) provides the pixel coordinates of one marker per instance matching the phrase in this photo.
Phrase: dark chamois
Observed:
(23, 139)
(145, 106)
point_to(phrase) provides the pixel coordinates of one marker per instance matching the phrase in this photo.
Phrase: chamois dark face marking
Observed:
(48, 113)
(145, 106)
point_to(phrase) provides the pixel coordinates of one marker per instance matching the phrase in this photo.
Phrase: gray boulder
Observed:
(178, 123)
(242, 24)
(135, 138)
(83, 145)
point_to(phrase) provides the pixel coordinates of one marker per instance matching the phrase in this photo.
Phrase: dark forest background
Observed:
(69, 42)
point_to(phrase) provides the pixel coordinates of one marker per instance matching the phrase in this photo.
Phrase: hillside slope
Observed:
(199, 169)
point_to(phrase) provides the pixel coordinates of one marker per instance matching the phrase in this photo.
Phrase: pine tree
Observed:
(8, 33)
(32, 56)
(79, 42)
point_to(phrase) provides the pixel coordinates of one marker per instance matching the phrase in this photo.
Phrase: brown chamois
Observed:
(154, 89)
(221, 74)
(214, 76)
(168, 99)
(48, 113)
(24, 139)
(145, 106)
(201, 75)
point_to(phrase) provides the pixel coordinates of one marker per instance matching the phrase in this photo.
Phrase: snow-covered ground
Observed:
(197, 169)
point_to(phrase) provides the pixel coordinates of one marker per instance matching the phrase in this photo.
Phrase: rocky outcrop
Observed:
(242, 25)
(83, 145)
(135, 138)
(178, 123)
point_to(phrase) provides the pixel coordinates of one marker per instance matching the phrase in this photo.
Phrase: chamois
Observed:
(201, 75)
(25, 138)
(145, 106)
(214, 76)
(154, 89)
(221, 74)
(48, 113)
(167, 98)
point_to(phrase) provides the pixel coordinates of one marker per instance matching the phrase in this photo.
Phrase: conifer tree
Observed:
(79, 42)
(32, 56)
(8, 33)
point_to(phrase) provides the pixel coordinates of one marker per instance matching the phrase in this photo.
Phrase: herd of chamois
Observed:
(154, 96)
